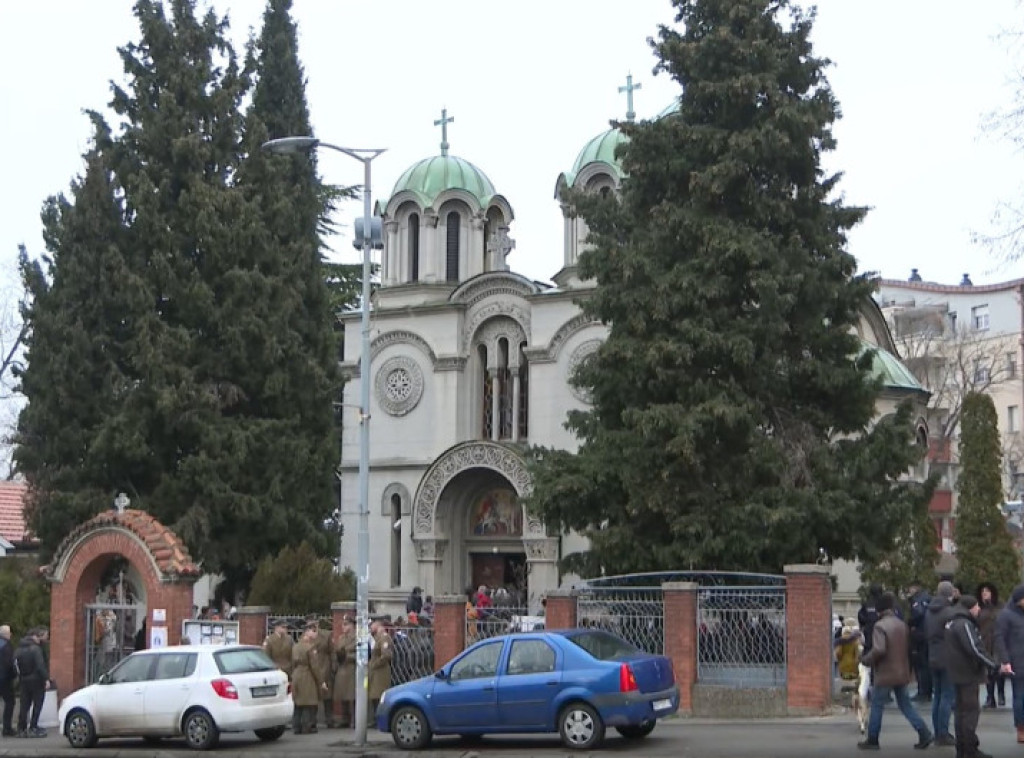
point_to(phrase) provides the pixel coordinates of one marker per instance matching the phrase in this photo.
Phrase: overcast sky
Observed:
(529, 82)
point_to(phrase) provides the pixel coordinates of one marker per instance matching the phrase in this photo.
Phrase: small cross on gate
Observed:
(121, 502)
(628, 89)
(443, 123)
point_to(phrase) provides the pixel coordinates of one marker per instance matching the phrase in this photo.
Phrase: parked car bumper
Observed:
(631, 708)
(255, 717)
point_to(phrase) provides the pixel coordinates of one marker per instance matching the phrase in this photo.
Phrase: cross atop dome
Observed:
(628, 89)
(443, 123)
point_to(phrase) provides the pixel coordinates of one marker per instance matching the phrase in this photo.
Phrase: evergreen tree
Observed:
(913, 556)
(296, 580)
(221, 425)
(85, 309)
(732, 419)
(984, 546)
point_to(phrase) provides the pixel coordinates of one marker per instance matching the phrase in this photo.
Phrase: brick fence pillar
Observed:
(560, 609)
(449, 628)
(252, 624)
(338, 612)
(808, 639)
(680, 599)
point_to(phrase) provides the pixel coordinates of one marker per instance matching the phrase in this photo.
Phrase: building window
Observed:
(396, 541)
(1011, 365)
(505, 399)
(487, 395)
(452, 250)
(414, 248)
(1012, 419)
(952, 321)
(979, 317)
(524, 395)
(981, 373)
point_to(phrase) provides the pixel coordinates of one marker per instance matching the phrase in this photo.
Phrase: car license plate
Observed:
(269, 691)
(661, 705)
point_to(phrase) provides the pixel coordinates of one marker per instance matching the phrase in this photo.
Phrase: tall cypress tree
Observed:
(732, 422)
(984, 546)
(223, 428)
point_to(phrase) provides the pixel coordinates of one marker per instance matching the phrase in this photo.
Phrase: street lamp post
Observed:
(364, 156)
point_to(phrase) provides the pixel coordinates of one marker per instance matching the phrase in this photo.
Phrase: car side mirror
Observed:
(104, 679)
(442, 674)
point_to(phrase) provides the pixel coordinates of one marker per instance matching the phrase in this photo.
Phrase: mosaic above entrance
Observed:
(496, 514)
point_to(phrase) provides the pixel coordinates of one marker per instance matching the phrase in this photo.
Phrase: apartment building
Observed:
(959, 338)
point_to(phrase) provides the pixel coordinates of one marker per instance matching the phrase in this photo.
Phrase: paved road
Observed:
(684, 738)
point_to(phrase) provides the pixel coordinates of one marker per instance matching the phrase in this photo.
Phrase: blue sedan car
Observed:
(575, 682)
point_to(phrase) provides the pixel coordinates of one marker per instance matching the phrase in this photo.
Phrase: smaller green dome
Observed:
(890, 370)
(601, 149)
(431, 176)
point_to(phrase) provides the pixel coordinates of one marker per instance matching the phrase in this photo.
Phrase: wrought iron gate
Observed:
(110, 630)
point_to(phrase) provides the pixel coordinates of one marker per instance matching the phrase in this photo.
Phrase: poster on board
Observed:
(158, 637)
(199, 632)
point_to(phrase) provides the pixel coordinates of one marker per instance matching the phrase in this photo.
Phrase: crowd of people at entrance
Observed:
(950, 643)
(322, 671)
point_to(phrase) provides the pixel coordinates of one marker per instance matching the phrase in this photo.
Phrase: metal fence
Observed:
(637, 614)
(296, 623)
(490, 622)
(413, 655)
(741, 636)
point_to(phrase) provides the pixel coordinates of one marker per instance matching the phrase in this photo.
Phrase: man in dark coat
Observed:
(940, 610)
(988, 600)
(968, 664)
(414, 603)
(918, 602)
(1010, 652)
(7, 677)
(889, 659)
(34, 677)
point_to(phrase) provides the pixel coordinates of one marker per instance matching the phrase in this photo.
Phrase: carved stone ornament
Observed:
(431, 550)
(470, 455)
(478, 317)
(541, 550)
(580, 354)
(399, 385)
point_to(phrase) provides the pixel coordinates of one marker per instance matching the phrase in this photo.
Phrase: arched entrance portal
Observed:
(469, 527)
(115, 576)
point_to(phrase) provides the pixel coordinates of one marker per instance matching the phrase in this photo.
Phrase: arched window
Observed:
(414, 247)
(396, 540)
(451, 268)
(486, 394)
(524, 393)
(505, 383)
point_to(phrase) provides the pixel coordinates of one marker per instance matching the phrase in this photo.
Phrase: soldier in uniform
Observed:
(278, 646)
(307, 686)
(345, 678)
(324, 646)
(379, 666)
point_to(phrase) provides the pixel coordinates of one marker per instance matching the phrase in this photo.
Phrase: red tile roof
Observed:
(12, 512)
(167, 549)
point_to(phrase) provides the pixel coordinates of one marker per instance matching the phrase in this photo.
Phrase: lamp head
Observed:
(290, 145)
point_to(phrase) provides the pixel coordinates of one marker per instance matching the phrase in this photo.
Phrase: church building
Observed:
(470, 362)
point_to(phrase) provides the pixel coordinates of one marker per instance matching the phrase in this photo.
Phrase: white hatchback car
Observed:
(191, 691)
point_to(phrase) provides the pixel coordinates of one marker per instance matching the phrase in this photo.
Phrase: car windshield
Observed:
(243, 661)
(602, 645)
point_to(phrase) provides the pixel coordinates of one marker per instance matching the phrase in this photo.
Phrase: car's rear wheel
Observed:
(270, 734)
(580, 726)
(200, 731)
(80, 729)
(410, 729)
(636, 732)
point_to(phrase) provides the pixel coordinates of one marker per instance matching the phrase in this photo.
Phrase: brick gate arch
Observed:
(153, 550)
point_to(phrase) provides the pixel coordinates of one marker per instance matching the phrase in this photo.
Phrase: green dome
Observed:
(890, 370)
(432, 176)
(601, 149)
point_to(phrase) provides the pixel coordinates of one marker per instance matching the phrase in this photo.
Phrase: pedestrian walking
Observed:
(1010, 653)
(889, 659)
(940, 610)
(35, 678)
(918, 602)
(968, 663)
(7, 676)
(988, 600)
